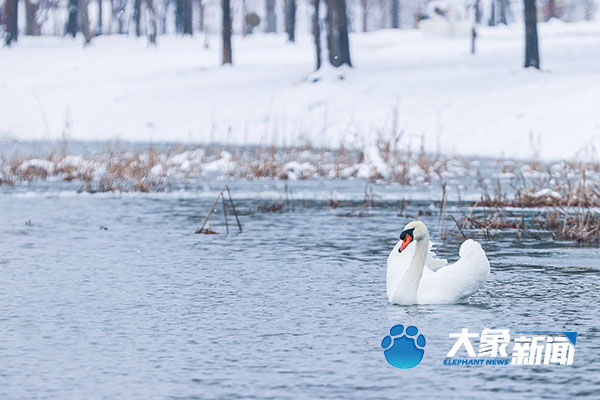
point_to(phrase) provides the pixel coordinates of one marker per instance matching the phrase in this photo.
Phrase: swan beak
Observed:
(405, 242)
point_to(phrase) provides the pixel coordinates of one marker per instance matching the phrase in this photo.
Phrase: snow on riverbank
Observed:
(482, 105)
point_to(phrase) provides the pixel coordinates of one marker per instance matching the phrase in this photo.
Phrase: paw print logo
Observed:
(403, 348)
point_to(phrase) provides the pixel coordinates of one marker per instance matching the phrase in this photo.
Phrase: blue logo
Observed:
(403, 348)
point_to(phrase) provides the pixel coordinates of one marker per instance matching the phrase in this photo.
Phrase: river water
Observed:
(114, 296)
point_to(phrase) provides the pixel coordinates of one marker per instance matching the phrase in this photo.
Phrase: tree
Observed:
(395, 13)
(270, 17)
(72, 18)
(365, 14)
(137, 14)
(338, 42)
(118, 13)
(551, 10)
(183, 17)
(32, 26)
(290, 19)
(226, 12)
(11, 10)
(151, 15)
(316, 25)
(492, 20)
(79, 20)
(532, 55)
(99, 21)
(502, 12)
(477, 10)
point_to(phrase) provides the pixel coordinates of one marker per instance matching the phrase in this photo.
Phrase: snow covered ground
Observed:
(458, 103)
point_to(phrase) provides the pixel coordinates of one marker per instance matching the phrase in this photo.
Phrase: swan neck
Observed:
(413, 274)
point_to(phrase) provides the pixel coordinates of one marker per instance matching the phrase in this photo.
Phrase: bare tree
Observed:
(343, 38)
(11, 10)
(477, 10)
(395, 13)
(151, 18)
(32, 26)
(492, 19)
(99, 21)
(118, 13)
(290, 19)
(365, 14)
(78, 20)
(338, 42)
(532, 55)
(270, 17)
(73, 18)
(183, 17)
(316, 25)
(551, 7)
(502, 5)
(84, 17)
(137, 14)
(226, 31)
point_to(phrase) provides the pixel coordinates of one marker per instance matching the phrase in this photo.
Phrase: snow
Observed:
(443, 97)
(37, 163)
(547, 193)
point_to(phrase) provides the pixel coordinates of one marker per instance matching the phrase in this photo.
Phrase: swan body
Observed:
(416, 276)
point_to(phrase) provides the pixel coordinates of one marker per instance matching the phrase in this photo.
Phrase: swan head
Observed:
(413, 231)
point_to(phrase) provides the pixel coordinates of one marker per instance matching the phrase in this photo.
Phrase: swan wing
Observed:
(433, 262)
(455, 283)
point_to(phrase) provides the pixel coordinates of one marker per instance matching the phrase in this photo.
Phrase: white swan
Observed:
(415, 276)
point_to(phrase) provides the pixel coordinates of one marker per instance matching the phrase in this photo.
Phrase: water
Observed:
(294, 307)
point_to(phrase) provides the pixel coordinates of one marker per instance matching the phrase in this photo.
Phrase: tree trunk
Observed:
(395, 11)
(226, 11)
(270, 17)
(332, 40)
(365, 14)
(290, 19)
(532, 55)
(11, 10)
(118, 11)
(99, 22)
(151, 17)
(338, 43)
(32, 27)
(317, 32)
(183, 17)
(244, 19)
(72, 20)
(502, 12)
(492, 20)
(477, 8)
(201, 22)
(343, 38)
(84, 19)
(137, 11)
(551, 9)
(163, 17)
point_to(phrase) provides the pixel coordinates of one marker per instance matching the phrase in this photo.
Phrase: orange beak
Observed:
(405, 242)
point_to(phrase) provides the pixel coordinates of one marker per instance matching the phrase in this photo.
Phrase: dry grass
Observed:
(118, 169)
(567, 199)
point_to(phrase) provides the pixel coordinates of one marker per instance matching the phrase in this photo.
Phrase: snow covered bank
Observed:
(159, 169)
(437, 91)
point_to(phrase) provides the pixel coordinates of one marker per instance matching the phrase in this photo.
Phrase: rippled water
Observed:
(294, 307)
